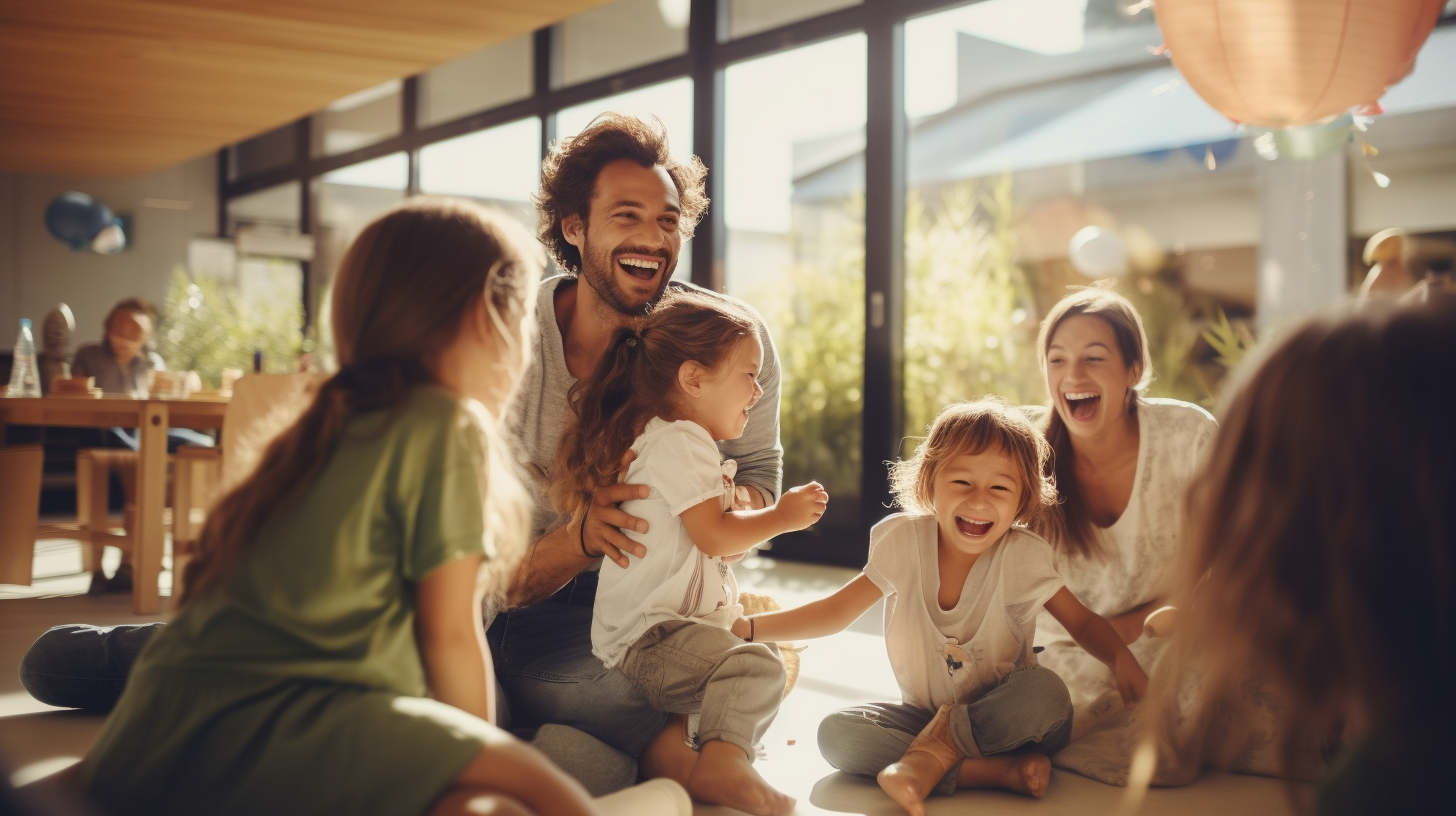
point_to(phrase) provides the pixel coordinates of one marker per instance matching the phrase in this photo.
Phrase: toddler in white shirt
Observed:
(666, 392)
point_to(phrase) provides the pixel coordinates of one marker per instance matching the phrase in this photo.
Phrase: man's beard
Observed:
(599, 270)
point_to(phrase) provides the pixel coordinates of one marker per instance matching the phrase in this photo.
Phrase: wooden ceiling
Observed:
(125, 87)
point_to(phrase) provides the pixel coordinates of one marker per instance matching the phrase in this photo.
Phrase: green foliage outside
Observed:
(972, 310)
(816, 315)
(208, 325)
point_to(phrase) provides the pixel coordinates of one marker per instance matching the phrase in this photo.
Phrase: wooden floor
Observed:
(838, 671)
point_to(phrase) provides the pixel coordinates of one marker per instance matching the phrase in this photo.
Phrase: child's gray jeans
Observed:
(1030, 710)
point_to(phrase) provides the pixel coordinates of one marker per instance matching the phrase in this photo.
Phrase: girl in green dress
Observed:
(342, 582)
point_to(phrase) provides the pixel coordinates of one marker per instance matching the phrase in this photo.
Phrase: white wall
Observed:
(36, 271)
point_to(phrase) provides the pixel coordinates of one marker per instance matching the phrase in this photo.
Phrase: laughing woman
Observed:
(1122, 463)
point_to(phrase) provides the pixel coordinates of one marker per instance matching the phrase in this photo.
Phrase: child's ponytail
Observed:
(635, 381)
(607, 421)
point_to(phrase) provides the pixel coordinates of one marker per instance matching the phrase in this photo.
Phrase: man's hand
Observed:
(803, 505)
(1132, 683)
(601, 527)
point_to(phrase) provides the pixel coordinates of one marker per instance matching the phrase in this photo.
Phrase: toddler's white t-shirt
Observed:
(949, 656)
(681, 465)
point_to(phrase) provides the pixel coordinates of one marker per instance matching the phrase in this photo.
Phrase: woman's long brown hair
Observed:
(1323, 532)
(1066, 523)
(636, 380)
(403, 291)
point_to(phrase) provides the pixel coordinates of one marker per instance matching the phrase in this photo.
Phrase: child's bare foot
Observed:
(1027, 773)
(926, 761)
(724, 776)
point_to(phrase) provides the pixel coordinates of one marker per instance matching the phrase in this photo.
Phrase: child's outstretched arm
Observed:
(818, 619)
(716, 532)
(1093, 633)
(452, 637)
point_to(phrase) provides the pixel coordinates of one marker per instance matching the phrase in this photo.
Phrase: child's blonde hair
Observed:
(401, 294)
(989, 423)
(1323, 533)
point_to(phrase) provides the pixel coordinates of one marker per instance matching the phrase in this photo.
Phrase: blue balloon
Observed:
(75, 219)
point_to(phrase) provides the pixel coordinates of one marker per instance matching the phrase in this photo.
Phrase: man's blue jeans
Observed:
(544, 662)
(81, 666)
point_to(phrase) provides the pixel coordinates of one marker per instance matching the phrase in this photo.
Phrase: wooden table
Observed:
(153, 417)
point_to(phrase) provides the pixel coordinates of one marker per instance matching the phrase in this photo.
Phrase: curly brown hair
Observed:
(569, 177)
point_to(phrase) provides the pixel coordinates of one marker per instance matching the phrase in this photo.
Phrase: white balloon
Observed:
(1097, 253)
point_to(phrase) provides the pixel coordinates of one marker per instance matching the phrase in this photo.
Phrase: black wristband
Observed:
(752, 630)
(581, 533)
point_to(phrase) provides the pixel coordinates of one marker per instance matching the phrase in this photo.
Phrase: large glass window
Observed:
(274, 210)
(276, 148)
(242, 295)
(1039, 124)
(618, 36)
(670, 102)
(794, 198)
(348, 200)
(358, 120)
(752, 16)
(500, 167)
(477, 81)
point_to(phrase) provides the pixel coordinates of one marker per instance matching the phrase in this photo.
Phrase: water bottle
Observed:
(24, 373)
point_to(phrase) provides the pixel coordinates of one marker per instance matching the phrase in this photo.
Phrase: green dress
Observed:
(298, 687)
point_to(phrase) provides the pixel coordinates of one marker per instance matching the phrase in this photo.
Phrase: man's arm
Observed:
(562, 554)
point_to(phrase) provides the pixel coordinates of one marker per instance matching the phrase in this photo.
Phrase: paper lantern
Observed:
(1283, 63)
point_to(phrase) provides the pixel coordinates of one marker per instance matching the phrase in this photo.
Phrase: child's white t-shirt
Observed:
(944, 657)
(681, 465)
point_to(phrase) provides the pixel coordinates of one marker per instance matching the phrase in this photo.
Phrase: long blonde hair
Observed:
(402, 293)
(1322, 530)
(1066, 524)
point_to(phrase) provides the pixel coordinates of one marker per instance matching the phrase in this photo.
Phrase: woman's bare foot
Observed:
(724, 776)
(930, 756)
(1027, 774)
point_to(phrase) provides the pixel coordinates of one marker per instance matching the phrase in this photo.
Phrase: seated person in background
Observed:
(121, 361)
(1322, 542)
(121, 364)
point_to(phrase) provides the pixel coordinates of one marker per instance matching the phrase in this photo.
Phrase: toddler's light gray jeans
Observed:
(685, 667)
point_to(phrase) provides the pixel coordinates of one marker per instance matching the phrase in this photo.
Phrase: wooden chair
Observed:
(20, 467)
(262, 406)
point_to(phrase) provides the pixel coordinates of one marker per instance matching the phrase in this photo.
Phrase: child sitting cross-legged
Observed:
(963, 581)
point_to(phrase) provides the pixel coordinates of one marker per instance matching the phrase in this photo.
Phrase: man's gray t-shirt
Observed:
(539, 414)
